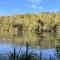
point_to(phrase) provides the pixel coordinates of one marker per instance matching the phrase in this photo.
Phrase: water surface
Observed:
(41, 40)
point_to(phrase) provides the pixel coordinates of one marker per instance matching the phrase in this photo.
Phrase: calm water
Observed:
(43, 40)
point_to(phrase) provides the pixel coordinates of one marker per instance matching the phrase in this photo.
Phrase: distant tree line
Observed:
(44, 21)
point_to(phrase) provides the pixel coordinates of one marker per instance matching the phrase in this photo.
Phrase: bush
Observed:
(58, 50)
(14, 55)
(24, 56)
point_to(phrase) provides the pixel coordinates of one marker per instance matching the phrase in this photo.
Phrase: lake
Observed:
(40, 40)
(47, 41)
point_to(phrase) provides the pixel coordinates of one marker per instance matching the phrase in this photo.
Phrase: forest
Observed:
(44, 21)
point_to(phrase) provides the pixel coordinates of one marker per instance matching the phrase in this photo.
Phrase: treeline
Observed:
(44, 21)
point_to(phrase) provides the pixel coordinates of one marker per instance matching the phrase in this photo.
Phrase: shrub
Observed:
(58, 50)
(24, 56)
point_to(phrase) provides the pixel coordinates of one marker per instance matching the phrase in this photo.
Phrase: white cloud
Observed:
(35, 1)
(33, 6)
(14, 10)
(40, 7)
(37, 7)
(3, 3)
(46, 0)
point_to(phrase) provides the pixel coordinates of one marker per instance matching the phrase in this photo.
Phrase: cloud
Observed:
(33, 6)
(46, 0)
(14, 10)
(37, 7)
(35, 1)
(41, 7)
(3, 3)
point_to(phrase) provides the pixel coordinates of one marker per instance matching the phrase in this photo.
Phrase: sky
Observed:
(10, 7)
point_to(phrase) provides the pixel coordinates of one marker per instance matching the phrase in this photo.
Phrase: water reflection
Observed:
(47, 40)
(43, 40)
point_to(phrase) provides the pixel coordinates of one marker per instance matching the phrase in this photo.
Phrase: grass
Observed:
(29, 55)
(14, 55)
(24, 56)
(58, 51)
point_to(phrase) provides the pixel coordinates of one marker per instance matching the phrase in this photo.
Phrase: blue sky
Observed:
(10, 7)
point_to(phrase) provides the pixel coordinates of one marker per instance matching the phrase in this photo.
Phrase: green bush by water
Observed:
(58, 50)
(24, 56)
